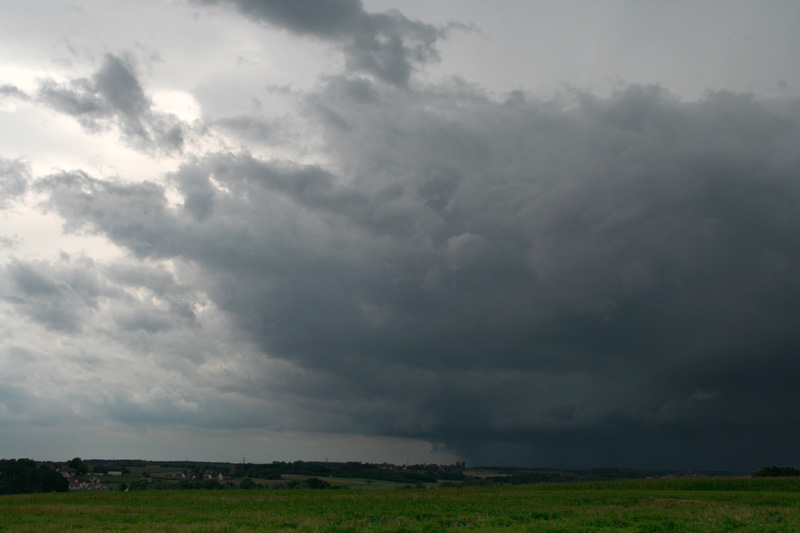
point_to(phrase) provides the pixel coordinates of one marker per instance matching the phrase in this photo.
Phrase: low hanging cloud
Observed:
(386, 45)
(547, 279)
(114, 97)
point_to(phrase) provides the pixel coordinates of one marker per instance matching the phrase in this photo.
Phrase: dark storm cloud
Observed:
(546, 282)
(14, 177)
(387, 45)
(114, 97)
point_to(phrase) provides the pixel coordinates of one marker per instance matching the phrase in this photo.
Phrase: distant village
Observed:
(26, 475)
(93, 481)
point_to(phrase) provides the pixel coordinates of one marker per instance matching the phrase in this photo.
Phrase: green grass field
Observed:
(648, 505)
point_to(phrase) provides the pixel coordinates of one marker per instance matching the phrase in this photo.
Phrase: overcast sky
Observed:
(544, 233)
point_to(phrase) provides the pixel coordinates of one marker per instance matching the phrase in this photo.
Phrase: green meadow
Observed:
(646, 505)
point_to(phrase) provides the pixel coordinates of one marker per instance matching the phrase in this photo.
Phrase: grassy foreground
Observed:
(651, 505)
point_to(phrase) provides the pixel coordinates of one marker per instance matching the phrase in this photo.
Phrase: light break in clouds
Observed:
(545, 233)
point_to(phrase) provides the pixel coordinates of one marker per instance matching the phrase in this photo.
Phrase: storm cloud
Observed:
(552, 279)
(217, 238)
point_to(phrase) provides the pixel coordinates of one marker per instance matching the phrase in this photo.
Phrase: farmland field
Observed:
(646, 505)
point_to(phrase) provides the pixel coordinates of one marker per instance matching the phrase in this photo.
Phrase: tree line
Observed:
(22, 476)
(19, 476)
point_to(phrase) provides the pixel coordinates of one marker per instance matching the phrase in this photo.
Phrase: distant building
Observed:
(87, 483)
(66, 471)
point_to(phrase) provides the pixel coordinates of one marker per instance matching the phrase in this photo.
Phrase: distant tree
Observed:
(210, 484)
(100, 469)
(139, 484)
(78, 466)
(316, 483)
(21, 476)
(778, 471)
(247, 483)
(51, 481)
(123, 487)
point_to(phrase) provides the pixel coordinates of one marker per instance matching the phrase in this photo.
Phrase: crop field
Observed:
(648, 505)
